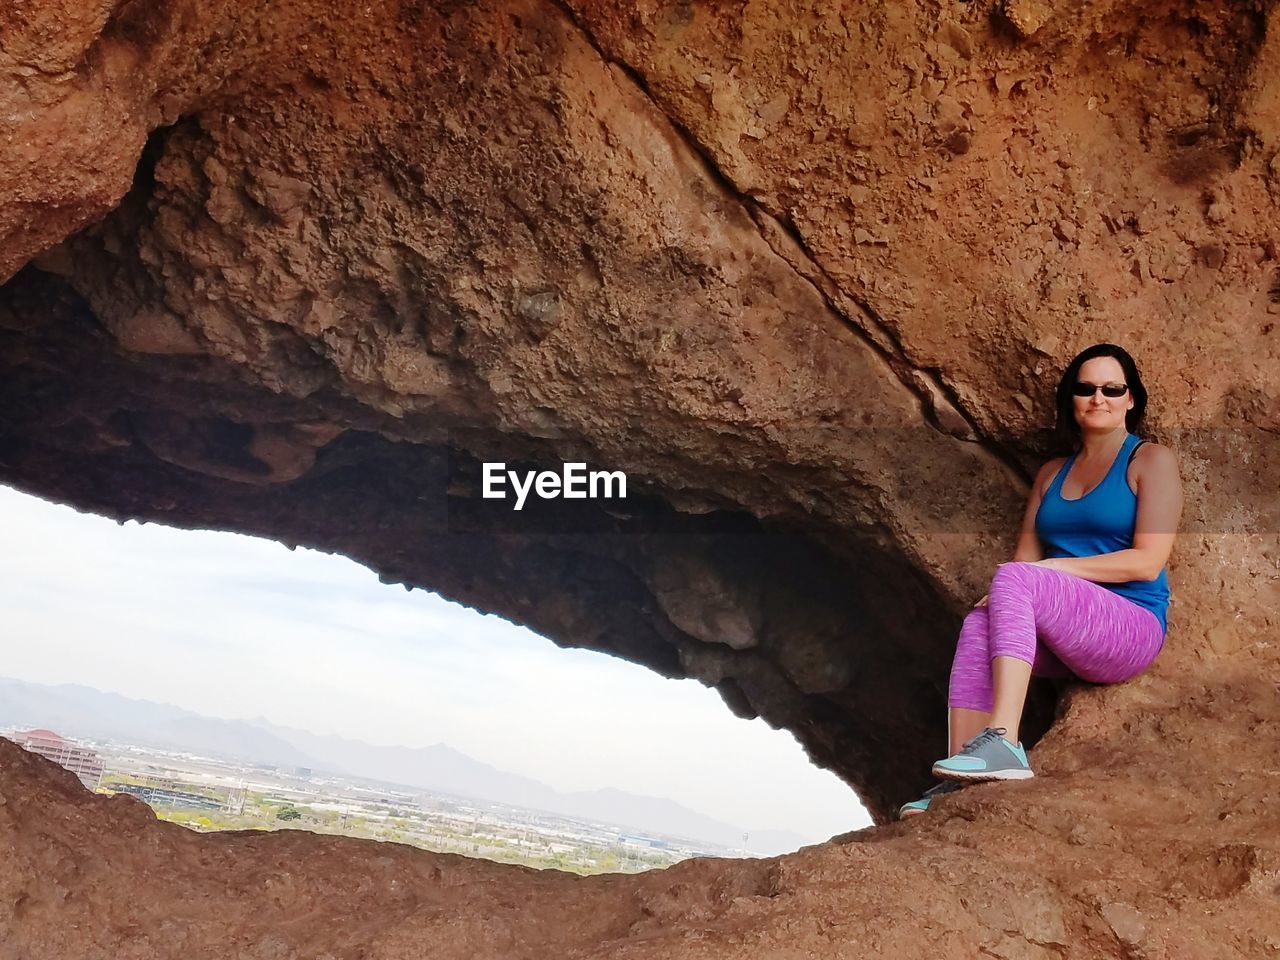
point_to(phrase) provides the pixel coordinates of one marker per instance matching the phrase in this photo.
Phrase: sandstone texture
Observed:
(808, 273)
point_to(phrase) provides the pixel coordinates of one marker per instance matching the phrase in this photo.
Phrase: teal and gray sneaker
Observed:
(921, 805)
(988, 756)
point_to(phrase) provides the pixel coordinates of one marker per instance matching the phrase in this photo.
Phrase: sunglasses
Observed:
(1082, 389)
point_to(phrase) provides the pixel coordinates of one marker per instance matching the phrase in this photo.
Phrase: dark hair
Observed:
(1067, 430)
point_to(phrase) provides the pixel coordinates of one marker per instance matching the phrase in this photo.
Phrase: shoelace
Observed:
(985, 737)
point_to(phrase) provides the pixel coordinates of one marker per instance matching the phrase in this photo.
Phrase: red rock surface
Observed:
(1125, 845)
(808, 273)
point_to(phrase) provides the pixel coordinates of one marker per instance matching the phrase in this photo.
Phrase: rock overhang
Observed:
(806, 275)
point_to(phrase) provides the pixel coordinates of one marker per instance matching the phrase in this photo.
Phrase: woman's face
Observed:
(1098, 411)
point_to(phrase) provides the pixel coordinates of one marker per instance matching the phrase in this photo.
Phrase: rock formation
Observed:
(808, 274)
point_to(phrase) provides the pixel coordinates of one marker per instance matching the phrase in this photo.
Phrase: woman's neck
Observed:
(1102, 445)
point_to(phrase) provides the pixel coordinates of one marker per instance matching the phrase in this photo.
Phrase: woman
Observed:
(1086, 593)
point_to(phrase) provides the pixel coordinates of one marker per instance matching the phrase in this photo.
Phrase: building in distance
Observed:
(77, 758)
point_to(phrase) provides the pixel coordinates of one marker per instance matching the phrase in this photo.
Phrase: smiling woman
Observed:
(1086, 594)
(232, 626)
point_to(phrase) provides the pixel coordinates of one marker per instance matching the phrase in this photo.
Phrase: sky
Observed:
(238, 627)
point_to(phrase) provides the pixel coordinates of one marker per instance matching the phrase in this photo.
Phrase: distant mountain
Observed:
(442, 769)
(74, 710)
(83, 711)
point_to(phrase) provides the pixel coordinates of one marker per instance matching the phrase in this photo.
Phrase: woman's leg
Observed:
(963, 725)
(1010, 677)
(971, 694)
(1098, 635)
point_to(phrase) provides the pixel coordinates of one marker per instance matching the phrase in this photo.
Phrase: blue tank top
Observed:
(1101, 521)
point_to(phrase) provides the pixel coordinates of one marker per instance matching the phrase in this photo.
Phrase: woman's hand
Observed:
(982, 602)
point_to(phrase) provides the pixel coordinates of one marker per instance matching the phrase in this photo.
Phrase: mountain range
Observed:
(74, 710)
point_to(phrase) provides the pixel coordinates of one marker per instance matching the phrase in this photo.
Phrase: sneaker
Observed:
(920, 806)
(988, 756)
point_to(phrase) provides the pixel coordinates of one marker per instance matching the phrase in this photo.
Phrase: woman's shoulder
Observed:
(1050, 467)
(1150, 458)
(1048, 470)
(1150, 452)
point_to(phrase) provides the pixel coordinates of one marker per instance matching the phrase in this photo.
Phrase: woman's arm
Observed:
(1029, 549)
(1159, 510)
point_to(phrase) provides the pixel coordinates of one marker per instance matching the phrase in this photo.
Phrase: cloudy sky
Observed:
(236, 627)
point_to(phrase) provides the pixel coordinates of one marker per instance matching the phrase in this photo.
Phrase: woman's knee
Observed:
(976, 622)
(1015, 571)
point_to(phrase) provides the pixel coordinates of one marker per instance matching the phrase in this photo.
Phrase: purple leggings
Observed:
(1061, 624)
